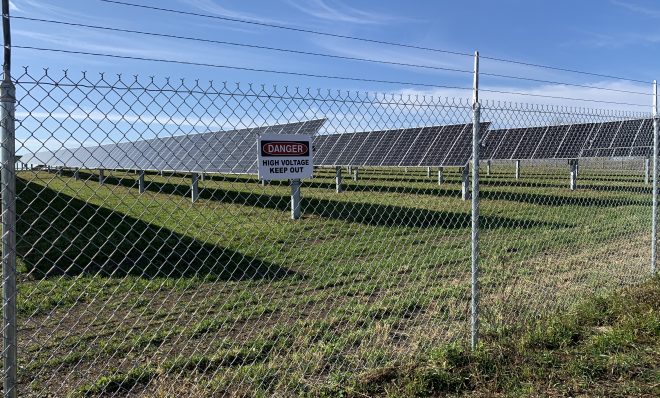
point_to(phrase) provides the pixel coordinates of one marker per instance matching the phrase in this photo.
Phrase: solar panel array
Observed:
(624, 138)
(448, 145)
(232, 151)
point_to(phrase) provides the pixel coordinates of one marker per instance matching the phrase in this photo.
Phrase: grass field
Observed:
(143, 295)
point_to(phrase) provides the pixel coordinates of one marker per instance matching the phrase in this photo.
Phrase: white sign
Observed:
(285, 156)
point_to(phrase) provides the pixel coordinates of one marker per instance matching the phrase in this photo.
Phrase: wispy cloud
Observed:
(211, 7)
(97, 42)
(639, 9)
(339, 12)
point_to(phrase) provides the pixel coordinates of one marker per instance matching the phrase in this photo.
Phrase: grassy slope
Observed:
(607, 346)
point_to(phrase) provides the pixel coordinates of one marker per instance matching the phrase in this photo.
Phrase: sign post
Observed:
(286, 157)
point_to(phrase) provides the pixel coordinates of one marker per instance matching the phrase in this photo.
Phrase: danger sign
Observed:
(285, 156)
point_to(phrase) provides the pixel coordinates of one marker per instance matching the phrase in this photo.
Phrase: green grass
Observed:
(115, 284)
(607, 346)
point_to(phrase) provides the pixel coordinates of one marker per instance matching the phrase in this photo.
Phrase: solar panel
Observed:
(574, 140)
(629, 138)
(233, 151)
(449, 145)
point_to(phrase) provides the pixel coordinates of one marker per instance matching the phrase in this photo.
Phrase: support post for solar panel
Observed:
(349, 169)
(201, 176)
(142, 187)
(295, 199)
(101, 176)
(647, 171)
(338, 186)
(465, 183)
(573, 174)
(488, 168)
(76, 173)
(654, 216)
(428, 172)
(441, 176)
(194, 189)
(356, 174)
(474, 302)
(517, 169)
(58, 172)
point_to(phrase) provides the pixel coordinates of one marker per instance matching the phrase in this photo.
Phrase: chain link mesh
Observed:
(141, 294)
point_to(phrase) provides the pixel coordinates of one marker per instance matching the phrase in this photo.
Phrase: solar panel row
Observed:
(232, 151)
(449, 145)
(625, 138)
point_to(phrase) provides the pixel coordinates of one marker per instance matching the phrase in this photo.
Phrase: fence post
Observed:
(476, 109)
(295, 199)
(654, 222)
(8, 184)
(7, 99)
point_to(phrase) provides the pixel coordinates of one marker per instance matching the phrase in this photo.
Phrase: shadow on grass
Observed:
(62, 235)
(357, 212)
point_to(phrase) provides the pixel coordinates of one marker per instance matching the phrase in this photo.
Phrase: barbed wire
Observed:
(332, 77)
(234, 67)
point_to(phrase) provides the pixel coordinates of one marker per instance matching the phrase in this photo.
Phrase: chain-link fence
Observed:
(129, 287)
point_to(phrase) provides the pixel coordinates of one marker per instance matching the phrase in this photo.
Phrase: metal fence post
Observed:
(475, 207)
(654, 222)
(7, 99)
(8, 174)
(295, 199)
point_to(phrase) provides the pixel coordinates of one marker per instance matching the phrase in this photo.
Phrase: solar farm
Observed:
(154, 260)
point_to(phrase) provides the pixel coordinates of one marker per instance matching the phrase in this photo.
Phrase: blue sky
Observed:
(614, 37)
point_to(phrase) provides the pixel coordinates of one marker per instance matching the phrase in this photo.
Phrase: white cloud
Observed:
(639, 9)
(209, 6)
(339, 12)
